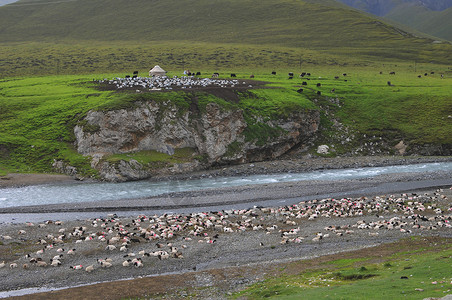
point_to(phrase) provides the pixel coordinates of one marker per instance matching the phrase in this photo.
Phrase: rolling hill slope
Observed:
(42, 36)
(285, 23)
(433, 17)
(437, 23)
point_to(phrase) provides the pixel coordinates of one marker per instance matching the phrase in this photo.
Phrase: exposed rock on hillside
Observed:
(216, 135)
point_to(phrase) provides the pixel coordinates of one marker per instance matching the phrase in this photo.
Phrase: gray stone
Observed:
(323, 149)
(162, 127)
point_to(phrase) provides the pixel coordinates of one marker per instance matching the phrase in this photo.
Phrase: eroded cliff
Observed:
(214, 135)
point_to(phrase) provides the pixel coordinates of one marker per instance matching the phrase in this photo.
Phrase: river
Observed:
(96, 192)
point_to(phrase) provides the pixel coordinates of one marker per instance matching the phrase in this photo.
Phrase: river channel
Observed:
(97, 192)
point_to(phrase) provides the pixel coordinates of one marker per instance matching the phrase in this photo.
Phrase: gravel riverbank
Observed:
(297, 227)
(212, 240)
(307, 164)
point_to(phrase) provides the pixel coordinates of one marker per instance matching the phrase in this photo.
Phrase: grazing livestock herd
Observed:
(158, 83)
(113, 242)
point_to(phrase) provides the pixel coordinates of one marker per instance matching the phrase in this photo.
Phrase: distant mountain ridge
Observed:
(433, 17)
(383, 7)
(4, 2)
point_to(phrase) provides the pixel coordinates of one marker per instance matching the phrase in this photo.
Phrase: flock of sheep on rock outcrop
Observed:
(159, 83)
(135, 241)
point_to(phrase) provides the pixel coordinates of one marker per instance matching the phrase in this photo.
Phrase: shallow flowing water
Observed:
(92, 192)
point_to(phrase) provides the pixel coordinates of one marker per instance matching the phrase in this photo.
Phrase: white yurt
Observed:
(157, 71)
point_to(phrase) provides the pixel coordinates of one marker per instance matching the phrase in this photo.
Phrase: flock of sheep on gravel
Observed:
(132, 242)
(158, 83)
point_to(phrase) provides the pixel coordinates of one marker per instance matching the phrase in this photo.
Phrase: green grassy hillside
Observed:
(37, 114)
(116, 37)
(84, 36)
(284, 22)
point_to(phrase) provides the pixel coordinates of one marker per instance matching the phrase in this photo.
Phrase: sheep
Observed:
(106, 264)
(76, 267)
(57, 257)
(110, 247)
(126, 263)
(163, 255)
(55, 263)
(138, 264)
(89, 268)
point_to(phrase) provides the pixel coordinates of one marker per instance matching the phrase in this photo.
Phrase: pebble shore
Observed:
(113, 247)
(56, 254)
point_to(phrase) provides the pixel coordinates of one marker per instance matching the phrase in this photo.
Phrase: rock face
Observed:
(215, 133)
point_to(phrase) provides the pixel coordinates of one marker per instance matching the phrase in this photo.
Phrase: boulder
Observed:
(323, 149)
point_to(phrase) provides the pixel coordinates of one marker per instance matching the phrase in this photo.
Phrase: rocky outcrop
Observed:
(216, 134)
(160, 127)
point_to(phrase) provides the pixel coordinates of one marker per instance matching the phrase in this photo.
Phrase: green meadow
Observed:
(402, 275)
(38, 113)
